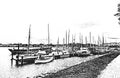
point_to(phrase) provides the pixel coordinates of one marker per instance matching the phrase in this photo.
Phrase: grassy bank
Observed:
(89, 69)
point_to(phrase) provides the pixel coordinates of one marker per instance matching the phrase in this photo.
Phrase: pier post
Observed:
(12, 60)
(12, 57)
(17, 59)
(22, 60)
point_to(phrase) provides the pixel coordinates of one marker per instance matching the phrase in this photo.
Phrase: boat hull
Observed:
(22, 51)
(28, 58)
(64, 55)
(39, 61)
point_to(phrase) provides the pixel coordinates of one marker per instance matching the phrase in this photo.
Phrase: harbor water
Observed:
(8, 68)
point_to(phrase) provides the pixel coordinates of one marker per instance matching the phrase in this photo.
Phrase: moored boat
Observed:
(44, 59)
(83, 52)
(22, 51)
(65, 54)
(28, 58)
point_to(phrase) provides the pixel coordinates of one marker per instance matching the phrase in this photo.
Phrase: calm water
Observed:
(9, 70)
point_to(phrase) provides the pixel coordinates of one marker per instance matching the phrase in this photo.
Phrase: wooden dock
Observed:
(21, 59)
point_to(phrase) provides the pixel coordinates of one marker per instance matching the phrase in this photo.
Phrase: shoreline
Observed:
(89, 69)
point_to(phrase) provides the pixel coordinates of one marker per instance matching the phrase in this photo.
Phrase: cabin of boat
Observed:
(60, 53)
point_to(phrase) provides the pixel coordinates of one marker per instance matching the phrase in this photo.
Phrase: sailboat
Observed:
(24, 50)
(43, 58)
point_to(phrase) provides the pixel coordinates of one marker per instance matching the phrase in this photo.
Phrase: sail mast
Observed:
(86, 40)
(103, 40)
(72, 38)
(90, 38)
(99, 40)
(66, 38)
(29, 36)
(79, 38)
(58, 43)
(63, 41)
(48, 35)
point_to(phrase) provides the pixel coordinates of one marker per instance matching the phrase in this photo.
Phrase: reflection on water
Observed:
(8, 68)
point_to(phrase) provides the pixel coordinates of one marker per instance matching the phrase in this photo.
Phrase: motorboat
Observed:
(60, 54)
(44, 59)
(65, 54)
(83, 52)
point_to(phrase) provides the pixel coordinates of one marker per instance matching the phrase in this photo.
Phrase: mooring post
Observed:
(22, 60)
(11, 62)
(17, 59)
(12, 57)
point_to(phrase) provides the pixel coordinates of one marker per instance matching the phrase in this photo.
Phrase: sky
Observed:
(78, 16)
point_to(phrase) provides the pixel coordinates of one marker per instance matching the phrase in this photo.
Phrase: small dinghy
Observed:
(44, 59)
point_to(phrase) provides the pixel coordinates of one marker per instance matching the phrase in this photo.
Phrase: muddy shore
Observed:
(89, 69)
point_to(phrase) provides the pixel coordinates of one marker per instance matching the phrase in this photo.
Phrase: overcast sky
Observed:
(78, 16)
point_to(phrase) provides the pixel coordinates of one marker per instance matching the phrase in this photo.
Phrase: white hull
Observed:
(83, 51)
(39, 61)
(64, 55)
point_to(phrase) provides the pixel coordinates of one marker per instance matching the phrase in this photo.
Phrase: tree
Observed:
(118, 14)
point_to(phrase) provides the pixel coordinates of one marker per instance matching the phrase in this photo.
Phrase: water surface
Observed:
(8, 69)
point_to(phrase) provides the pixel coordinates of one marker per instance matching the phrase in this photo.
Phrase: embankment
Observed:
(89, 69)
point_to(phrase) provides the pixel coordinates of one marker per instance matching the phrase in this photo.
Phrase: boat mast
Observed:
(72, 38)
(86, 40)
(81, 37)
(66, 38)
(57, 44)
(63, 43)
(93, 41)
(103, 40)
(99, 40)
(48, 35)
(90, 38)
(29, 36)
